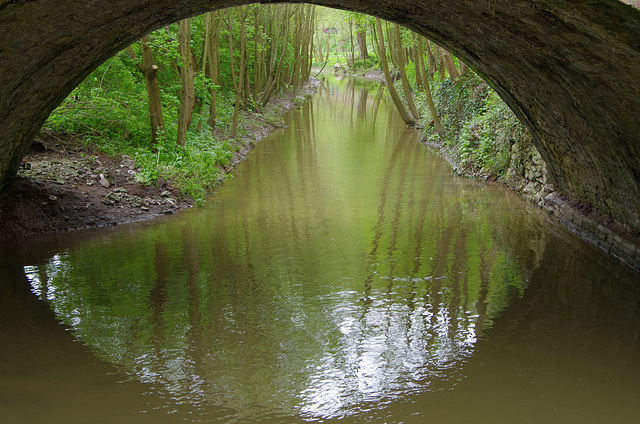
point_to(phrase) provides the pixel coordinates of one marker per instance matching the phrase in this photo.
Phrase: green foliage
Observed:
(457, 103)
(479, 126)
(481, 145)
(195, 168)
(109, 111)
(370, 63)
(107, 106)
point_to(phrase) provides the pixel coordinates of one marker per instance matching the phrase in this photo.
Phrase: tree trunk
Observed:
(436, 61)
(408, 119)
(352, 65)
(361, 35)
(238, 76)
(297, 44)
(433, 66)
(259, 48)
(275, 69)
(211, 63)
(416, 61)
(392, 52)
(307, 48)
(427, 89)
(187, 76)
(149, 70)
(402, 61)
(450, 65)
(463, 67)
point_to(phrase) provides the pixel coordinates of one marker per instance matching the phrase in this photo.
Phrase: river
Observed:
(343, 274)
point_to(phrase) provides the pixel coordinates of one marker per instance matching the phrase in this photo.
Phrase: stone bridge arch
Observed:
(569, 69)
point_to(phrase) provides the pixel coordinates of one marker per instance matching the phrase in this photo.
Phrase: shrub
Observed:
(480, 128)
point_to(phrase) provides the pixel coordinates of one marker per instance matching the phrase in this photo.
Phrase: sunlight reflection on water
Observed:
(385, 351)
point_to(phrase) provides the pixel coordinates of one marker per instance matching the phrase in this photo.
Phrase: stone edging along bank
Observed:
(613, 238)
(530, 179)
(596, 228)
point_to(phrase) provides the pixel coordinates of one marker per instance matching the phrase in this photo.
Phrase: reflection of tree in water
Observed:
(227, 341)
(298, 303)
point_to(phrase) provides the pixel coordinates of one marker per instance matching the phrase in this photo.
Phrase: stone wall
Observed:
(528, 175)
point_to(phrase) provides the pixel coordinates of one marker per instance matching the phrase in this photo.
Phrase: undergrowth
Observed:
(109, 113)
(480, 129)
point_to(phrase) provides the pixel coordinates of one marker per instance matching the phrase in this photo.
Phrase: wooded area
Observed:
(175, 100)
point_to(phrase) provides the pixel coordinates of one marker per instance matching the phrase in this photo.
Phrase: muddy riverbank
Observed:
(70, 186)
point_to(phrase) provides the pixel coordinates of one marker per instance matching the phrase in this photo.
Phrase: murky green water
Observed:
(343, 274)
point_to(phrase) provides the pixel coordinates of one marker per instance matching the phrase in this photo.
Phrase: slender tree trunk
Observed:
(275, 73)
(239, 72)
(318, 47)
(427, 88)
(303, 45)
(149, 70)
(392, 52)
(273, 35)
(297, 46)
(361, 35)
(258, 42)
(236, 77)
(211, 63)
(402, 60)
(407, 118)
(246, 92)
(328, 49)
(450, 65)
(436, 61)
(236, 86)
(187, 76)
(416, 61)
(307, 45)
(463, 67)
(352, 65)
(432, 60)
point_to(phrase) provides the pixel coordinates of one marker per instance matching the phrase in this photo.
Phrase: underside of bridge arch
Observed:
(569, 70)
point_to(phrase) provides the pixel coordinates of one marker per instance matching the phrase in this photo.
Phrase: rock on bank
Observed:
(72, 189)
